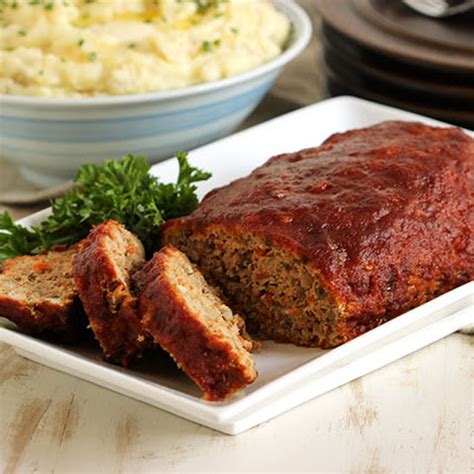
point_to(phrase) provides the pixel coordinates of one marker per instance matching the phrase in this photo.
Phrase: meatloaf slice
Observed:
(186, 317)
(319, 246)
(38, 294)
(102, 270)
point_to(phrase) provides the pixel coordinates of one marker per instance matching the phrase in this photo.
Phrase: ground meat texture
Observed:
(38, 294)
(187, 319)
(102, 271)
(319, 246)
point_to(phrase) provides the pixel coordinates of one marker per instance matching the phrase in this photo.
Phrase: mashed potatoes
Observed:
(76, 48)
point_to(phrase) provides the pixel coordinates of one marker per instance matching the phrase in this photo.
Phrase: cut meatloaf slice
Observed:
(187, 319)
(38, 294)
(102, 270)
(319, 246)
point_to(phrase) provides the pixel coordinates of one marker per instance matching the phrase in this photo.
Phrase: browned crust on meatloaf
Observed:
(210, 351)
(102, 270)
(377, 220)
(38, 294)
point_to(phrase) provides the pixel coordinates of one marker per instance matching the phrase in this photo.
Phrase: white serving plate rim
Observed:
(225, 415)
(228, 414)
(303, 32)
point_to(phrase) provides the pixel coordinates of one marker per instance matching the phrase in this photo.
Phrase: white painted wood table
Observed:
(412, 416)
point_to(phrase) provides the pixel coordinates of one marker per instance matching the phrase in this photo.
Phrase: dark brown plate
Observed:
(345, 17)
(339, 86)
(339, 58)
(359, 54)
(455, 33)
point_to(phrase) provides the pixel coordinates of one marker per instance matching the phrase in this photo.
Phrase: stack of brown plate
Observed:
(382, 50)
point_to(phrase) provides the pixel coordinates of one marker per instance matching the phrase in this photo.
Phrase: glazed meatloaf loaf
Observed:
(38, 294)
(187, 319)
(102, 271)
(319, 246)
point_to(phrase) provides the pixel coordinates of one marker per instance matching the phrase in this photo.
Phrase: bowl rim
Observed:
(298, 17)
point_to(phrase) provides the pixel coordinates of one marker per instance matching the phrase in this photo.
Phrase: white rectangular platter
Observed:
(288, 375)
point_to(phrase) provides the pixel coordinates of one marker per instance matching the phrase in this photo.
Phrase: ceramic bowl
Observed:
(50, 138)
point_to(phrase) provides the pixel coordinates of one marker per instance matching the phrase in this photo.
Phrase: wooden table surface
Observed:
(414, 415)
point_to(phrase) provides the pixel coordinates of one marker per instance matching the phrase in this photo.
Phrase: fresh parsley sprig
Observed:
(119, 189)
(16, 240)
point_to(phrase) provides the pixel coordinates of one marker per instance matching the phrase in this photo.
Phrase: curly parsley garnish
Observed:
(119, 189)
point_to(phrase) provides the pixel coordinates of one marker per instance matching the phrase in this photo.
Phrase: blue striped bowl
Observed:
(50, 138)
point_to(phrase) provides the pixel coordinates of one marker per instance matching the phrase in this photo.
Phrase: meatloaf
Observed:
(319, 246)
(187, 319)
(38, 294)
(102, 271)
